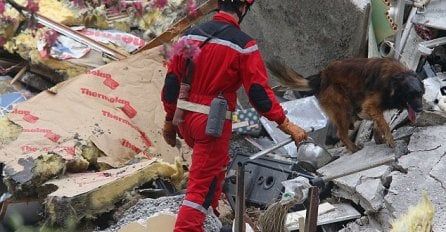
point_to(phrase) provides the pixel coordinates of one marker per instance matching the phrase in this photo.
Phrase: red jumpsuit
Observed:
(228, 61)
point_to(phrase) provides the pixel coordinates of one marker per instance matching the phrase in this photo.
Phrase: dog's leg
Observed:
(340, 115)
(377, 134)
(371, 107)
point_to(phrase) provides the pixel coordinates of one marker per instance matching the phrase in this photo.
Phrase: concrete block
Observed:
(406, 190)
(428, 139)
(309, 34)
(365, 132)
(430, 118)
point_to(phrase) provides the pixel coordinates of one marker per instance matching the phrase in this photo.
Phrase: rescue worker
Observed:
(226, 62)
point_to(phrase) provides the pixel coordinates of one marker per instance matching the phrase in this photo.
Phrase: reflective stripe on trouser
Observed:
(209, 159)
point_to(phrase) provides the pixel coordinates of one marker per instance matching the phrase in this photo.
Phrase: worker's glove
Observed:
(170, 133)
(298, 134)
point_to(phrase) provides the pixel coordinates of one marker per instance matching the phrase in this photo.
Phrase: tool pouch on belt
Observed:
(217, 116)
(179, 113)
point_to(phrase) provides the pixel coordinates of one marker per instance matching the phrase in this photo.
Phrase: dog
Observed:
(363, 87)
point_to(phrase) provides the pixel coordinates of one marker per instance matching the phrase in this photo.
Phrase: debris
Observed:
(432, 15)
(89, 194)
(18, 75)
(180, 26)
(314, 121)
(292, 219)
(127, 41)
(115, 131)
(60, 28)
(419, 218)
(148, 207)
(367, 193)
(160, 222)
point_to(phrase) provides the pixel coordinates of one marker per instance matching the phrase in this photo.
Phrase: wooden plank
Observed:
(328, 214)
(19, 75)
(312, 212)
(293, 217)
(181, 25)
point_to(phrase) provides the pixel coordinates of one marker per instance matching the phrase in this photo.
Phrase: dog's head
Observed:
(407, 92)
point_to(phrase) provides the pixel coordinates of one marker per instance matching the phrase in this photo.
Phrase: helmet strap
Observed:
(242, 16)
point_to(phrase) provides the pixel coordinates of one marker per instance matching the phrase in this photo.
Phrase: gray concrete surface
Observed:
(386, 193)
(308, 34)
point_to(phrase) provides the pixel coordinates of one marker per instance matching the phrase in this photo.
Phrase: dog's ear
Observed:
(395, 84)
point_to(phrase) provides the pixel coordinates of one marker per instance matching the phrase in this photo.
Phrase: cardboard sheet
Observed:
(116, 106)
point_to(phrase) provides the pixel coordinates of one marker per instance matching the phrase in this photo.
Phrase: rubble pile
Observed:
(146, 208)
(81, 118)
(41, 141)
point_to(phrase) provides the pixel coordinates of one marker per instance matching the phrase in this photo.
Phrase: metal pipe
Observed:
(399, 15)
(406, 32)
(62, 29)
(277, 146)
(270, 149)
(360, 169)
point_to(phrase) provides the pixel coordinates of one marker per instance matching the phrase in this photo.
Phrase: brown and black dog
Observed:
(363, 87)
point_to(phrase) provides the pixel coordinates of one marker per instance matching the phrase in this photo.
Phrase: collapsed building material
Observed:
(160, 222)
(364, 192)
(309, 32)
(181, 25)
(8, 131)
(89, 194)
(148, 207)
(427, 152)
(67, 15)
(328, 214)
(62, 29)
(418, 218)
(314, 121)
(432, 15)
(118, 127)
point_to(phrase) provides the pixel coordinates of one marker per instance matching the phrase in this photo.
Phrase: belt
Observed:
(199, 108)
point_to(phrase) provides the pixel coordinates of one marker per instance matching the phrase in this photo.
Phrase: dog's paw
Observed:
(390, 142)
(354, 148)
(379, 139)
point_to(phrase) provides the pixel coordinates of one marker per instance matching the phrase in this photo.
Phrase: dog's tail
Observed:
(287, 77)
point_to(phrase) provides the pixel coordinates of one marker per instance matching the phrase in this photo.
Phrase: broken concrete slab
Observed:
(365, 132)
(393, 191)
(430, 118)
(425, 168)
(365, 188)
(429, 139)
(406, 190)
